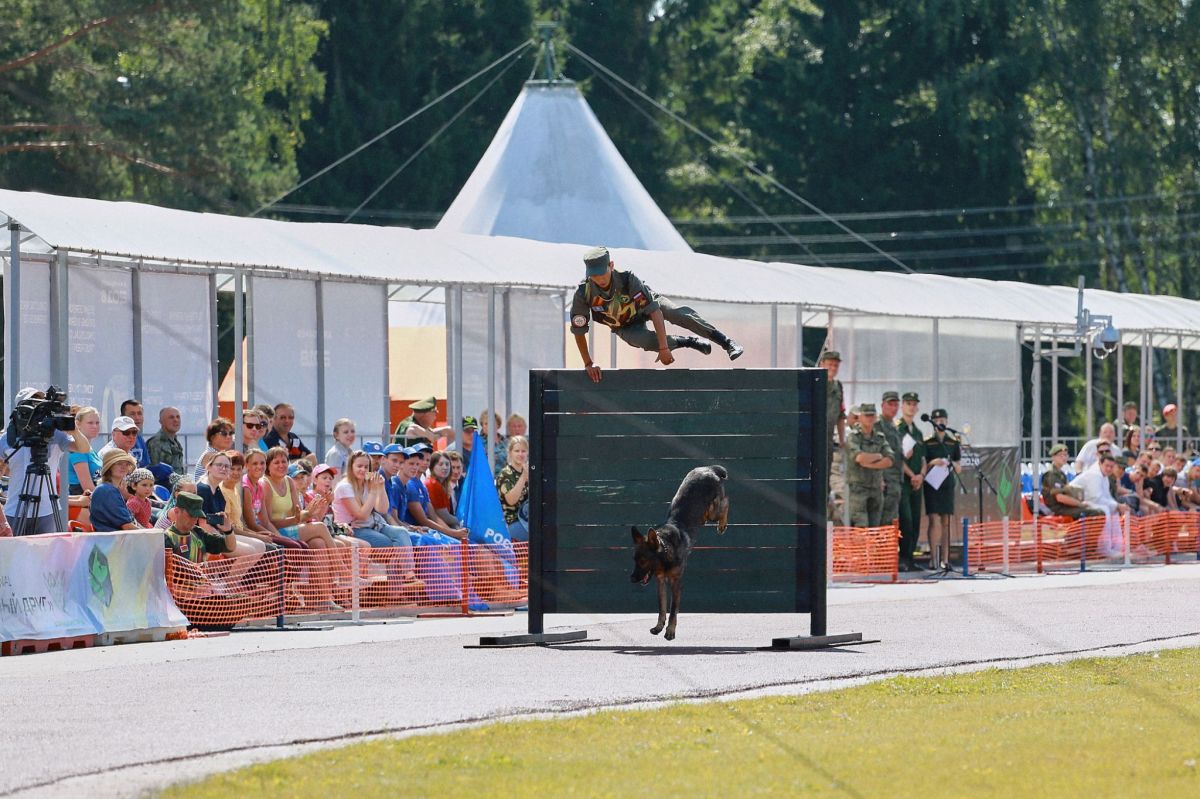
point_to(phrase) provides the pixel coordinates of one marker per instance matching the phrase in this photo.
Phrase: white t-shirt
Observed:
(18, 463)
(342, 512)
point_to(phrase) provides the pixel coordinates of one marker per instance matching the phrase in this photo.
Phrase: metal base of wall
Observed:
(806, 642)
(530, 639)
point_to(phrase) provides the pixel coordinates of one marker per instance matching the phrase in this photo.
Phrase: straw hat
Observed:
(111, 458)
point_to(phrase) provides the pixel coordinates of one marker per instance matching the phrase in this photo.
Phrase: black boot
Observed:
(693, 343)
(733, 348)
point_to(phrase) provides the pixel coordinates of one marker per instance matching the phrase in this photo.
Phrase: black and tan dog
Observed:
(663, 552)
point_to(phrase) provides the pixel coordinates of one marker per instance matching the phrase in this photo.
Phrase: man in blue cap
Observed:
(624, 303)
(395, 486)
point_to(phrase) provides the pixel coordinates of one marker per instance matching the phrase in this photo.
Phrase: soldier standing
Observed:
(913, 462)
(893, 476)
(835, 410)
(867, 455)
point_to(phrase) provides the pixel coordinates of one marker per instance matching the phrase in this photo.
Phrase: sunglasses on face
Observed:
(224, 431)
(255, 425)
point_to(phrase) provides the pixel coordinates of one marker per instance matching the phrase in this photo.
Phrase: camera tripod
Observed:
(37, 477)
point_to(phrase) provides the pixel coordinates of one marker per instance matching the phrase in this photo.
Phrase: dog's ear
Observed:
(637, 536)
(652, 538)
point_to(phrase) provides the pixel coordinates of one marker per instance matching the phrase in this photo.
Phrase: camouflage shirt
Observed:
(857, 442)
(894, 473)
(626, 301)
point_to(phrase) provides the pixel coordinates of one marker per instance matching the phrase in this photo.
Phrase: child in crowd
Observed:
(344, 435)
(140, 483)
(301, 474)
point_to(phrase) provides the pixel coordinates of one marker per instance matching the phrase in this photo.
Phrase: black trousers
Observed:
(910, 521)
(642, 335)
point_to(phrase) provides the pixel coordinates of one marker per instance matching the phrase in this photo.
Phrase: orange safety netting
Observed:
(866, 553)
(224, 591)
(1058, 541)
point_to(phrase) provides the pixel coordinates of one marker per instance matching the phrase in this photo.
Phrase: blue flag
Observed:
(480, 511)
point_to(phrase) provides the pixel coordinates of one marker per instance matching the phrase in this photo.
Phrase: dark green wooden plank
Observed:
(577, 536)
(768, 563)
(703, 448)
(623, 467)
(620, 380)
(624, 514)
(669, 423)
(729, 592)
(754, 400)
(651, 491)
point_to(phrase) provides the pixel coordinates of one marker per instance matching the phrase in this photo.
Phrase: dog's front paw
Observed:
(656, 629)
(670, 634)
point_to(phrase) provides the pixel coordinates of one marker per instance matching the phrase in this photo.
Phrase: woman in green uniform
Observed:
(941, 449)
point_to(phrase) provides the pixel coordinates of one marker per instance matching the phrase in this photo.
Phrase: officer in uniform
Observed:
(867, 455)
(624, 303)
(913, 464)
(893, 476)
(1170, 433)
(1060, 497)
(835, 409)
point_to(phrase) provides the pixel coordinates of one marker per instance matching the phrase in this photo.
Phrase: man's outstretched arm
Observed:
(588, 364)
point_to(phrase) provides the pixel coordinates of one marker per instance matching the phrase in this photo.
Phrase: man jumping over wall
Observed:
(623, 302)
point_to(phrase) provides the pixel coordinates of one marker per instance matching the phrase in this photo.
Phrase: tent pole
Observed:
(12, 319)
(1088, 379)
(491, 403)
(135, 291)
(1121, 379)
(1035, 429)
(506, 309)
(1143, 400)
(799, 336)
(1179, 406)
(387, 363)
(239, 322)
(59, 321)
(937, 367)
(1054, 397)
(213, 336)
(319, 324)
(249, 292)
(774, 335)
(1020, 414)
(452, 402)
(458, 354)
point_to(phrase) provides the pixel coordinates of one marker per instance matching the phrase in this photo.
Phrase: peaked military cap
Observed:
(891, 395)
(422, 406)
(1057, 448)
(867, 409)
(910, 396)
(830, 355)
(596, 260)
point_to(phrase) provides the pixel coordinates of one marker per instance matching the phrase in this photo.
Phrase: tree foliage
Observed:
(189, 104)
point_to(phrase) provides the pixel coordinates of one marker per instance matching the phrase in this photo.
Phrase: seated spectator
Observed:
(454, 485)
(108, 508)
(1160, 487)
(254, 427)
(359, 501)
(133, 409)
(281, 435)
(323, 479)
(469, 425)
(440, 490)
(256, 515)
(282, 502)
(182, 485)
(140, 485)
(515, 426)
(513, 486)
(1133, 439)
(124, 436)
(499, 447)
(267, 412)
(164, 446)
(189, 536)
(219, 435)
(374, 451)
(231, 490)
(393, 484)
(301, 474)
(1060, 498)
(419, 510)
(218, 512)
(344, 435)
(84, 465)
(420, 425)
(1088, 455)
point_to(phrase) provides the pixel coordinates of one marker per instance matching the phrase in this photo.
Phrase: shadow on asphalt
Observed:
(685, 650)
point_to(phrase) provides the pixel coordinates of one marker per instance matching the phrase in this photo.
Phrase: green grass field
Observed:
(1102, 727)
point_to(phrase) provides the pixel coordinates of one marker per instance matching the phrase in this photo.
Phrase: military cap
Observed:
(855, 410)
(830, 355)
(866, 409)
(1057, 448)
(939, 413)
(470, 423)
(596, 260)
(190, 503)
(910, 396)
(422, 406)
(1130, 404)
(891, 395)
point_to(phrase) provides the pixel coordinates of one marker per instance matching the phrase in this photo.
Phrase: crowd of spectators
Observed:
(270, 491)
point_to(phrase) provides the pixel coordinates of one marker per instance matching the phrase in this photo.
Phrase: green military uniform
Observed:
(864, 487)
(893, 476)
(910, 498)
(401, 436)
(1167, 436)
(626, 305)
(197, 544)
(1054, 482)
(835, 411)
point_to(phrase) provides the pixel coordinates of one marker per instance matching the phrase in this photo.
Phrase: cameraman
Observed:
(18, 463)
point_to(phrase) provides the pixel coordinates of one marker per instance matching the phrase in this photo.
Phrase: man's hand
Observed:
(665, 357)
(593, 371)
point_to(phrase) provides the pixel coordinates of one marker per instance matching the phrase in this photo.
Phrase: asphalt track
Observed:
(117, 721)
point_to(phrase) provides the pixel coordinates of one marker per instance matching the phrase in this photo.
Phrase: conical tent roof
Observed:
(552, 174)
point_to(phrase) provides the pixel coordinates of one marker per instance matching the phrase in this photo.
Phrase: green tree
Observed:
(187, 104)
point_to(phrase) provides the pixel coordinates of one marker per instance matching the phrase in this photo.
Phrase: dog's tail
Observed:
(720, 472)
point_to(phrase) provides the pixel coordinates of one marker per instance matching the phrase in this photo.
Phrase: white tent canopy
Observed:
(147, 233)
(552, 174)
